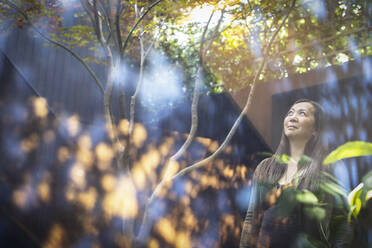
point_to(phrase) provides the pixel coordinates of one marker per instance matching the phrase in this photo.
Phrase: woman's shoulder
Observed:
(264, 163)
(262, 167)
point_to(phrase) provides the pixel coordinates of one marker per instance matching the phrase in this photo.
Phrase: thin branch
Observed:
(194, 108)
(194, 115)
(151, 46)
(87, 6)
(120, 43)
(107, 14)
(117, 25)
(196, 94)
(135, 26)
(237, 121)
(75, 55)
(223, 29)
(20, 225)
(143, 53)
(126, 152)
(245, 109)
(214, 35)
(107, 98)
(133, 98)
(122, 103)
(203, 37)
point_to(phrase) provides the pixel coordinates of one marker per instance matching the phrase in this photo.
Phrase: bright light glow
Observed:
(77, 175)
(139, 134)
(297, 59)
(162, 85)
(165, 228)
(67, 3)
(73, 125)
(342, 58)
(120, 74)
(104, 154)
(318, 8)
(88, 199)
(114, 204)
(201, 14)
(40, 107)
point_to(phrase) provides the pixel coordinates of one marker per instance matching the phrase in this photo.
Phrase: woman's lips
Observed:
(292, 127)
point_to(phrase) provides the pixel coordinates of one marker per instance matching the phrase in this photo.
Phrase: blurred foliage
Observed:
(60, 187)
(318, 33)
(91, 193)
(360, 195)
(349, 150)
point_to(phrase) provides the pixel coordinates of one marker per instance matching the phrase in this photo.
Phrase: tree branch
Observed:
(236, 124)
(107, 98)
(194, 115)
(194, 110)
(117, 25)
(133, 99)
(107, 14)
(75, 55)
(213, 36)
(196, 94)
(201, 50)
(135, 26)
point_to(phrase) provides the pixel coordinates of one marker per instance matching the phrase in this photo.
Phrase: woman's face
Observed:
(300, 121)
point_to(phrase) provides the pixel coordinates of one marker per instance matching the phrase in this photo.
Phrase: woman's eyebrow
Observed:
(302, 109)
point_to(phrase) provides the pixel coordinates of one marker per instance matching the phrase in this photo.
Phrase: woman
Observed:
(274, 218)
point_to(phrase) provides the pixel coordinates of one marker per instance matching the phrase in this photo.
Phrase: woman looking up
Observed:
(301, 139)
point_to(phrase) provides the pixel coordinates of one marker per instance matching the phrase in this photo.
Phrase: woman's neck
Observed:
(297, 148)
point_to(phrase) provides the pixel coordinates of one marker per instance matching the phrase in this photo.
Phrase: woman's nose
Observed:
(293, 118)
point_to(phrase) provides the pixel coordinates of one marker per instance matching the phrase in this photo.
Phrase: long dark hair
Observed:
(271, 170)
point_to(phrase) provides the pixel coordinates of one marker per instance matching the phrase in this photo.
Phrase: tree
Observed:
(222, 53)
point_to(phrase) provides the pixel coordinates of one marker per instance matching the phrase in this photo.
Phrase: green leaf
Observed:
(333, 188)
(367, 180)
(307, 197)
(316, 213)
(283, 159)
(349, 150)
(354, 194)
(358, 206)
(350, 214)
(330, 177)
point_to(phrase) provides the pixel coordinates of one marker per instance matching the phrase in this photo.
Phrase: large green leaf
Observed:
(307, 197)
(317, 213)
(333, 188)
(349, 150)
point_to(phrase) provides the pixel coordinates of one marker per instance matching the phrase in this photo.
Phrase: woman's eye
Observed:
(290, 113)
(303, 113)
